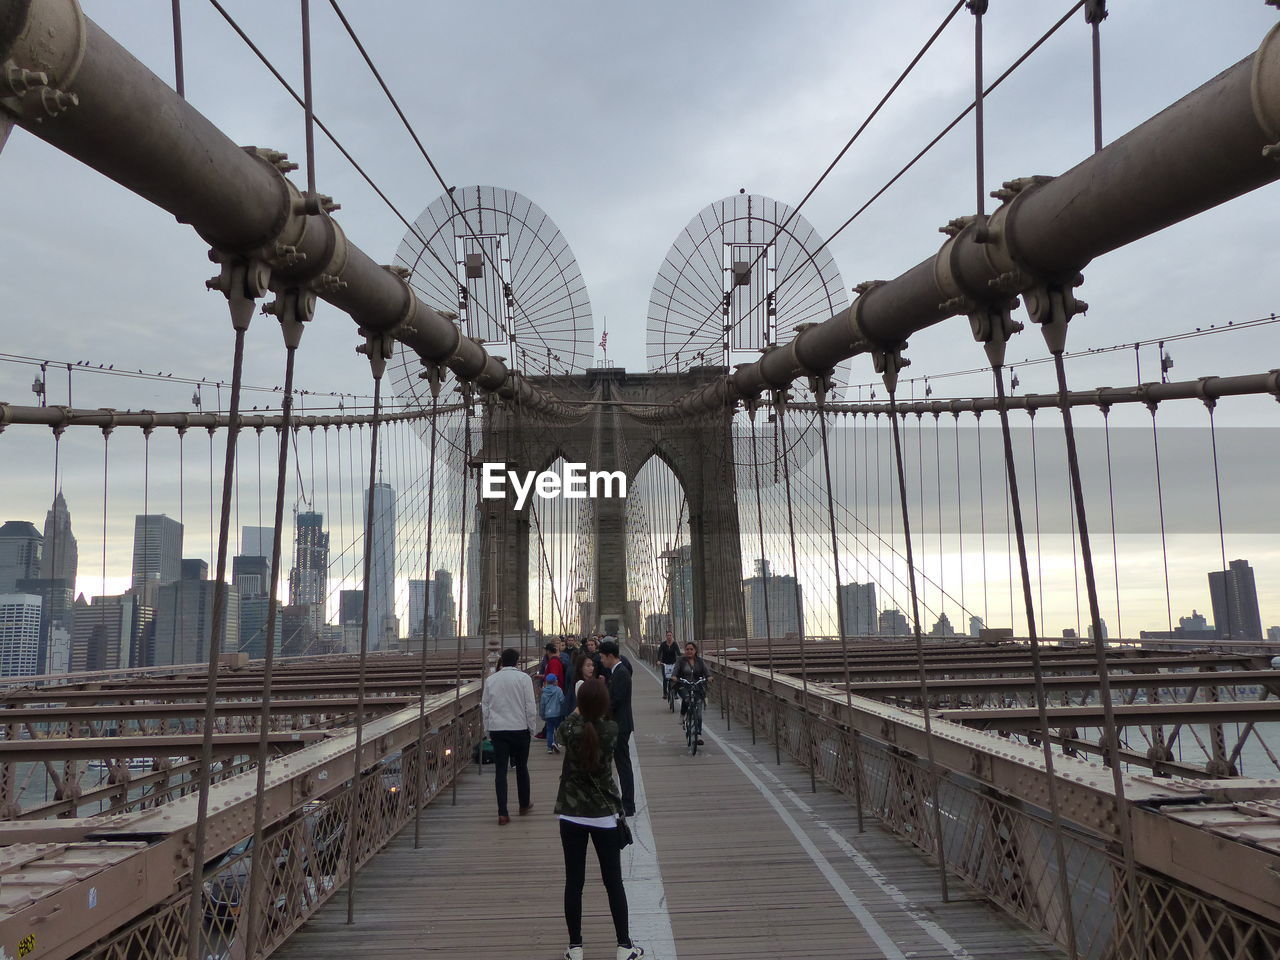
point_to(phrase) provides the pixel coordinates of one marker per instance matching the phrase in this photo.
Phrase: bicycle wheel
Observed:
(671, 696)
(695, 726)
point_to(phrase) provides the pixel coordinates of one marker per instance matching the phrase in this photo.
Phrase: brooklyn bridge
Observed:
(991, 663)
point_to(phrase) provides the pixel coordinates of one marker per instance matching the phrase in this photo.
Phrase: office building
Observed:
(861, 618)
(254, 614)
(784, 599)
(157, 551)
(680, 592)
(443, 607)
(257, 542)
(382, 570)
(251, 574)
(419, 590)
(1101, 623)
(1273, 634)
(56, 609)
(21, 547)
(61, 558)
(308, 580)
(184, 621)
(976, 627)
(19, 634)
(193, 568)
(350, 618)
(1235, 602)
(942, 627)
(299, 631)
(893, 623)
(107, 633)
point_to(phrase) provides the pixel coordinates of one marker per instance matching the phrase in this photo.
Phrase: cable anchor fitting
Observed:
(1052, 305)
(379, 348)
(242, 282)
(889, 363)
(293, 307)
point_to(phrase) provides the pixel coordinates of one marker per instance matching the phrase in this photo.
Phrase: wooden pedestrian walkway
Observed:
(734, 858)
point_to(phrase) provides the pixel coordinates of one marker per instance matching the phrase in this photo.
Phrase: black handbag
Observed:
(624, 832)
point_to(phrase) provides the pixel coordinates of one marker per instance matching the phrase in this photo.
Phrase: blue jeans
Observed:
(552, 724)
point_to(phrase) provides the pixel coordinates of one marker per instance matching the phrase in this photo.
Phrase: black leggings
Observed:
(573, 838)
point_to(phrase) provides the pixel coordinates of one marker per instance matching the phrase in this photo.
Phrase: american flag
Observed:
(604, 339)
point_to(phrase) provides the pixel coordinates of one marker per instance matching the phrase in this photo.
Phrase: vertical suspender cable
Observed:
(179, 83)
(307, 106)
(426, 619)
(1037, 668)
(1094, 13)
(764, 586)
(221, 600)
(464, 587)
(1125, 827)
(1111, 504)
(1164, 546)
(932, 771)
(353, 831)
(269, 648)
(811, 761)
(1210, 404)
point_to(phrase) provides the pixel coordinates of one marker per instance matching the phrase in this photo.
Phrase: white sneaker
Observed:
(573, 953)
(630, 953)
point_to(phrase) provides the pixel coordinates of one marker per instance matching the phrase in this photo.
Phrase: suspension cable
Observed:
(1037, 667)
(426, 615)
(764, 584)
(932, 769)
(221, 601)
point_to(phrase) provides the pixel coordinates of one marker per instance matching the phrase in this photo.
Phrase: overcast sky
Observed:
(622, 121)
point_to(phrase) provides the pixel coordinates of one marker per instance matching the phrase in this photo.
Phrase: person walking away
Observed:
(552, 665)
(510, 718)
(619, 680)
(668, 654)
(588, 804)
(552, 709)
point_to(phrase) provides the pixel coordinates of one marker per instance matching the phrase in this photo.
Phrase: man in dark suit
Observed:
(618, 676)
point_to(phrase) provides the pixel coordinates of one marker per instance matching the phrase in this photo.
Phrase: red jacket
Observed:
(556, 666)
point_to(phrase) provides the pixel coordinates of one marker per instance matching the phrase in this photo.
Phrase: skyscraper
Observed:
(680, 591)
(107, 631)
(894, 623)
(257, 542)
(861, 619)
(184, 621)
(785, 602)
(419, 590)
(443, 606)
(251, 575)
(382, 570)
(61, 556)
(1235, 602)
(157, 550)
(21, 547)
(19, 634)
(308, 580)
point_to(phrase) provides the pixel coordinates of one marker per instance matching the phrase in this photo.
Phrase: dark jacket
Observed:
(585, 793)
(668, 654)
(620, 697)
(691, 671)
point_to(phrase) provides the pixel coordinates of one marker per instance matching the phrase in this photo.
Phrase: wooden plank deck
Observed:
(734, 858)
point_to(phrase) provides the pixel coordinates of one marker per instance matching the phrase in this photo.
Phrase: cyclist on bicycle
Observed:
(668, 654)
(691, 667)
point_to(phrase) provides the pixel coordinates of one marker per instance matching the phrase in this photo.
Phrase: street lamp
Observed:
(581, 593)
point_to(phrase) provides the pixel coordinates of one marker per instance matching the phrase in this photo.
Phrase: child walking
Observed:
(552, 706)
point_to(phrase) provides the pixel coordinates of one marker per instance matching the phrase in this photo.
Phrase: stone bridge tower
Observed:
(616, 435)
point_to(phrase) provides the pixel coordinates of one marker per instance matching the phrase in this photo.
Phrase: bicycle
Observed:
(668, 669)
(695, 695)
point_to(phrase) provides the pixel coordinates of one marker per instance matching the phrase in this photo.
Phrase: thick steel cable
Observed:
(812, 760)
(1123, 823)
(221, 600)
(1222, 533)
(1037, 669)
(932, 770)
(1111, 505)
(464, 588)
(268, 663)
(764, 587)
(369, 546)
(1164, 546)
(426, 620)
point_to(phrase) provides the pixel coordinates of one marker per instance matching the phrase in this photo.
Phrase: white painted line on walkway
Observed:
(646, 896)
(930, 927)
(856, 907)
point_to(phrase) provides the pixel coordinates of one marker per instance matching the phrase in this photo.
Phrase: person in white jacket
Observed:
(510, 719)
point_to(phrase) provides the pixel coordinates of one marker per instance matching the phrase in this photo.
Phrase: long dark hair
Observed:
(593, 706)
